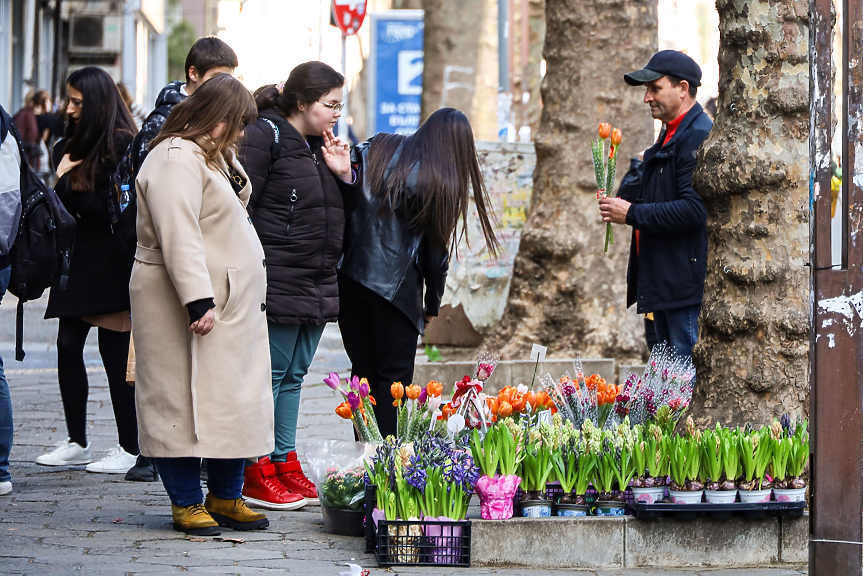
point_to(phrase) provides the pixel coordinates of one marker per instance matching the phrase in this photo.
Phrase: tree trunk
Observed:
(461, 61)
(752, 355)
(565, 293)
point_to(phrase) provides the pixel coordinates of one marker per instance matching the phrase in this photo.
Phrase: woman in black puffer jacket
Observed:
(302, 185)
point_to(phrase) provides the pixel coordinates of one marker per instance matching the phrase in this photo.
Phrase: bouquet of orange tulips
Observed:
(603, 170)
(417, 409)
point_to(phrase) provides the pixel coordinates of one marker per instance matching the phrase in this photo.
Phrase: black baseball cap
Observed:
(667, 63)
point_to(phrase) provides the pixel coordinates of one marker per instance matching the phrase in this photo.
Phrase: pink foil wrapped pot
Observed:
(495, 496)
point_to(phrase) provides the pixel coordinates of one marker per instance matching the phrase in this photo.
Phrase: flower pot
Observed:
(685, 497)
(612, 508)
(648, 495)
(790, 494)
(752, 496)
(344, 522)
(721, 496)
(535, 508)
(446, 541)
(496, 496)
(572, 510)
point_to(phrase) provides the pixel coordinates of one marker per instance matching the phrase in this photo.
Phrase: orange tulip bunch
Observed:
(415, 405)
(603, 170)
(512, 401)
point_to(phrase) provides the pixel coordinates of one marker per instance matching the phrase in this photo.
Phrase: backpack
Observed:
(42, 249)
(123, 202)
(276, 146)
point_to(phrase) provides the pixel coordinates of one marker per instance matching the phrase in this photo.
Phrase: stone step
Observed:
(593, 542)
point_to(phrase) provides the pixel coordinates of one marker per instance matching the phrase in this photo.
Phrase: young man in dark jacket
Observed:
(667, 261)
(207, 57)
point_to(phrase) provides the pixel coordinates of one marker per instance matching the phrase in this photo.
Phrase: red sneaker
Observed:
(290, 474)
(261, 489)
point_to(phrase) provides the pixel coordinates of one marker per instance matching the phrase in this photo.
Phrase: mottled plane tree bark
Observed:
(565, 293)
(752, 355)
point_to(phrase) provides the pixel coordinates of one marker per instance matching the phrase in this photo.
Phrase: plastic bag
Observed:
(336, 467)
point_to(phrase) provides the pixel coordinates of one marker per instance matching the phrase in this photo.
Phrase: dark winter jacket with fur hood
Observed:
(298, 208)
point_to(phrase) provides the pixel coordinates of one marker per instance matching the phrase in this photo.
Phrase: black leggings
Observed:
(74, 387)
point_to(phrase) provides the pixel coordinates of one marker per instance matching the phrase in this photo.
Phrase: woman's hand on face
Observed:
(337, 155)
(205, 324)
(66, 164)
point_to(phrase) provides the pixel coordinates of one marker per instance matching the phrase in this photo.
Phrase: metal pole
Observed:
(58, 43)
(343, 125)
(836, 335)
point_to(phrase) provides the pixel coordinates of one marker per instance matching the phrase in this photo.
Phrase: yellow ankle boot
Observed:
(194, 520)
(234, 514)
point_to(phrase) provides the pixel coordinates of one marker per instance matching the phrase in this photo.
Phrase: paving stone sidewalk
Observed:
(59, 521)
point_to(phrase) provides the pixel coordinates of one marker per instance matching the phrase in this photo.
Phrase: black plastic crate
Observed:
(423, 543)
(370, 503)
(691, 511)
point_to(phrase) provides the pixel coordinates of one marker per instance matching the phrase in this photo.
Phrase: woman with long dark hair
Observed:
(198, 288)
(397, 241)
(97, 294)
(301, 187)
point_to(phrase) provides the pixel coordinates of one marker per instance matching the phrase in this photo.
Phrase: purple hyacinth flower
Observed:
(353, 400)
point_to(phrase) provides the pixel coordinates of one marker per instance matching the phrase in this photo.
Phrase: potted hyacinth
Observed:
(651, 460)
(536, 466)
(497, 451)
(615, 470)
(574, 465)
(685, 459)
(713, 461)
(790, 454)
(756, 452)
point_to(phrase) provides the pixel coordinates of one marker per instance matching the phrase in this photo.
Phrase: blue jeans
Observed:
(6, 432)
(292, 347)
(678, 327)
(182, 478)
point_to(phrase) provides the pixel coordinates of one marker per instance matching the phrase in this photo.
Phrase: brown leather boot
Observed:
(234, 514)
(194, 520)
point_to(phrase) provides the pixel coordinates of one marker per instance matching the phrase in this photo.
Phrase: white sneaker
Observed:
(5, 488)
(65, 454)
(118, 461)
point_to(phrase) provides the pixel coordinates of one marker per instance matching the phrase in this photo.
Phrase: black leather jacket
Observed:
(385, 255)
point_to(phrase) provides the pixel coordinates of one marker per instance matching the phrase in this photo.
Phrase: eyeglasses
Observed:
(335, 107)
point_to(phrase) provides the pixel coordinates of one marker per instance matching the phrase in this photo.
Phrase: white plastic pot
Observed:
(720, 496)
(648, 495)
(753, 496)
(790, 495)
(685, 497)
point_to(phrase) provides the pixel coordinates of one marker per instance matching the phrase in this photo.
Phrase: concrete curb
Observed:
(510, 372)
(632, 543)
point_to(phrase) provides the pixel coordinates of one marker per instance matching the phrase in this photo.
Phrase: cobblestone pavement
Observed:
(59, 521)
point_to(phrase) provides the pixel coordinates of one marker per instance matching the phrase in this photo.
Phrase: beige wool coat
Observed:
(198, 396)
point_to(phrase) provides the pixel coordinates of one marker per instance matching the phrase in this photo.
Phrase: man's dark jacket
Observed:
(667, 268)
(298, 208)
(388, 255)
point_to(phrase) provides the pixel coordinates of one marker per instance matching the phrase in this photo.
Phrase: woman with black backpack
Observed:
(301, 188)
(99, 129)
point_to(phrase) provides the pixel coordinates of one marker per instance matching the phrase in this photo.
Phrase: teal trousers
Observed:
(292, 347)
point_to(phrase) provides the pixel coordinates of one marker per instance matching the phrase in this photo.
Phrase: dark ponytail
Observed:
(306, 83)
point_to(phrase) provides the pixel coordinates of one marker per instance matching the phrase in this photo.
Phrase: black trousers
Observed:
(74, 386)
(381, 342)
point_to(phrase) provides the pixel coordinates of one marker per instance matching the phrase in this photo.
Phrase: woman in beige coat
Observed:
(198, 289)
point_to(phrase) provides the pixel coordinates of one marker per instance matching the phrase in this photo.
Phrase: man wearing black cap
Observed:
(667, 260)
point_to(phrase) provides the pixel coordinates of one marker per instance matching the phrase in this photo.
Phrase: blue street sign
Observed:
(396, 71)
